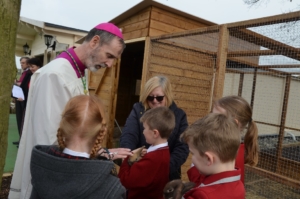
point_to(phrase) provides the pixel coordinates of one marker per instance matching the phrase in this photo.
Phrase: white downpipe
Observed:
(291, 134)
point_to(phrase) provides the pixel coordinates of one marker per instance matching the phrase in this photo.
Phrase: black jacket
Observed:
(132, 136)
(25, 85)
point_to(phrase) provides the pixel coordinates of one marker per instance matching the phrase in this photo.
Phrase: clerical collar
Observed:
(81, 66)
(76, 153)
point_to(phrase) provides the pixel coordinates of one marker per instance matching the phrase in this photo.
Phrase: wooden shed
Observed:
(119, 86)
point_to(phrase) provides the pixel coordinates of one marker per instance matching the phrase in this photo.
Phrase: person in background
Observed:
(147, 177)
(73, 168)
(34, 65)
(20, 105)
(52, 86)
(24, 67)
(214, 142)
(157, 92)
(238, 108)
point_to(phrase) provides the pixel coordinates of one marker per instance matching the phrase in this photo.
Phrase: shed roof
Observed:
(146, 3)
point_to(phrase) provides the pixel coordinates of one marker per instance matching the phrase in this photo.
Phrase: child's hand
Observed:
(136, 155)
(144, 151)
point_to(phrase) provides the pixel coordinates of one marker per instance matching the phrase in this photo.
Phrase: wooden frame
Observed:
(238, 30)
(221, 62)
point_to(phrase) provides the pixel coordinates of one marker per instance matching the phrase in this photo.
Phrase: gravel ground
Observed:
(270, 142)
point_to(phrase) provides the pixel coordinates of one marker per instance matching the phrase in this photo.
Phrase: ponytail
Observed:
(251, 144)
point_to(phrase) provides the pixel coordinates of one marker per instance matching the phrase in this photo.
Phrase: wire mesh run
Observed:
(258, 60)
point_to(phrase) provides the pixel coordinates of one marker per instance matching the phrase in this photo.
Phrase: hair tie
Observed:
(250, 120)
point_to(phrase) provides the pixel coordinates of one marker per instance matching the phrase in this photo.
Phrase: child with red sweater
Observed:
(238, 108)
(214, 142)
(147, 177)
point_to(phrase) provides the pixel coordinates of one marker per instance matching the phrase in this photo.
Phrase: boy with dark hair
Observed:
(147, 177)
(214, 142)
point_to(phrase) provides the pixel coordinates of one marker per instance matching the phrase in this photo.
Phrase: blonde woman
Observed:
(157, 92)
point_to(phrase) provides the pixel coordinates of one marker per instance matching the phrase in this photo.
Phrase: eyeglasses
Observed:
(158, 98)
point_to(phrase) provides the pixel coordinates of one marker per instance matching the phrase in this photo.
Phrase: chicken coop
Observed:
(256, 59)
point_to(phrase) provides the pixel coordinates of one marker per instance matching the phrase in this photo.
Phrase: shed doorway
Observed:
(130, 76)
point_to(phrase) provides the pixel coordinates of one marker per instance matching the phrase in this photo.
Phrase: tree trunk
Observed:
(9, 18)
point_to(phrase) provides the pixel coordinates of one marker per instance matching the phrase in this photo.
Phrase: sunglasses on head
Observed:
(158, 98)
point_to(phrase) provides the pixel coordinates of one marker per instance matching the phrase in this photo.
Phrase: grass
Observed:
(12, 150)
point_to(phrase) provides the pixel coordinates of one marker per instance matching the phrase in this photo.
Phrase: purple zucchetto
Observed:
(111, 28)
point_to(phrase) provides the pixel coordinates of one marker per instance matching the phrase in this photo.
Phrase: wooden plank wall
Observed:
(191, 76)
(136, 26)
(154, 21)
(162, 22)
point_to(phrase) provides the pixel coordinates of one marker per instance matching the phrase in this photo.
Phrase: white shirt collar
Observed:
(75, 153)
(153, 148)
(223, 180)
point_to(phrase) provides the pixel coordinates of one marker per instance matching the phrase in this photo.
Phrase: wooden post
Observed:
(221, 62)
(115, 82)
(282, 122)
(147, 55)
(100, 80)
(253, 88)
(241, 83)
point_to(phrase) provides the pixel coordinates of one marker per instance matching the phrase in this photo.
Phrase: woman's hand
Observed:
(20, 99)
(120, 153)
(116, 153)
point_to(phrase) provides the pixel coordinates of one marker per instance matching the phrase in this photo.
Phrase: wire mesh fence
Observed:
(258, 60)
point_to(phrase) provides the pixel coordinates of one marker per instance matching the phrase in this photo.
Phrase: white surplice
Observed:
(51, 87)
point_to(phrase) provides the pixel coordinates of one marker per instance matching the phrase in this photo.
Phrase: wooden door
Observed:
(104, 84)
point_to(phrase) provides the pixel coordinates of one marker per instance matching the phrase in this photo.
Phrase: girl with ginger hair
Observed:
(238, 108)
(73, 169)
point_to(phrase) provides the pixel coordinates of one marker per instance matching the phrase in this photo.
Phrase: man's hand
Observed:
(120, 153)
(115, 153)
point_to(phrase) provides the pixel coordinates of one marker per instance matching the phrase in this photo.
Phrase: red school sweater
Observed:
(225, 185)
(147, 177)
(195, 176)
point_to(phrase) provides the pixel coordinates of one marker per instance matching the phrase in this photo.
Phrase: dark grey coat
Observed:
(56, 177)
